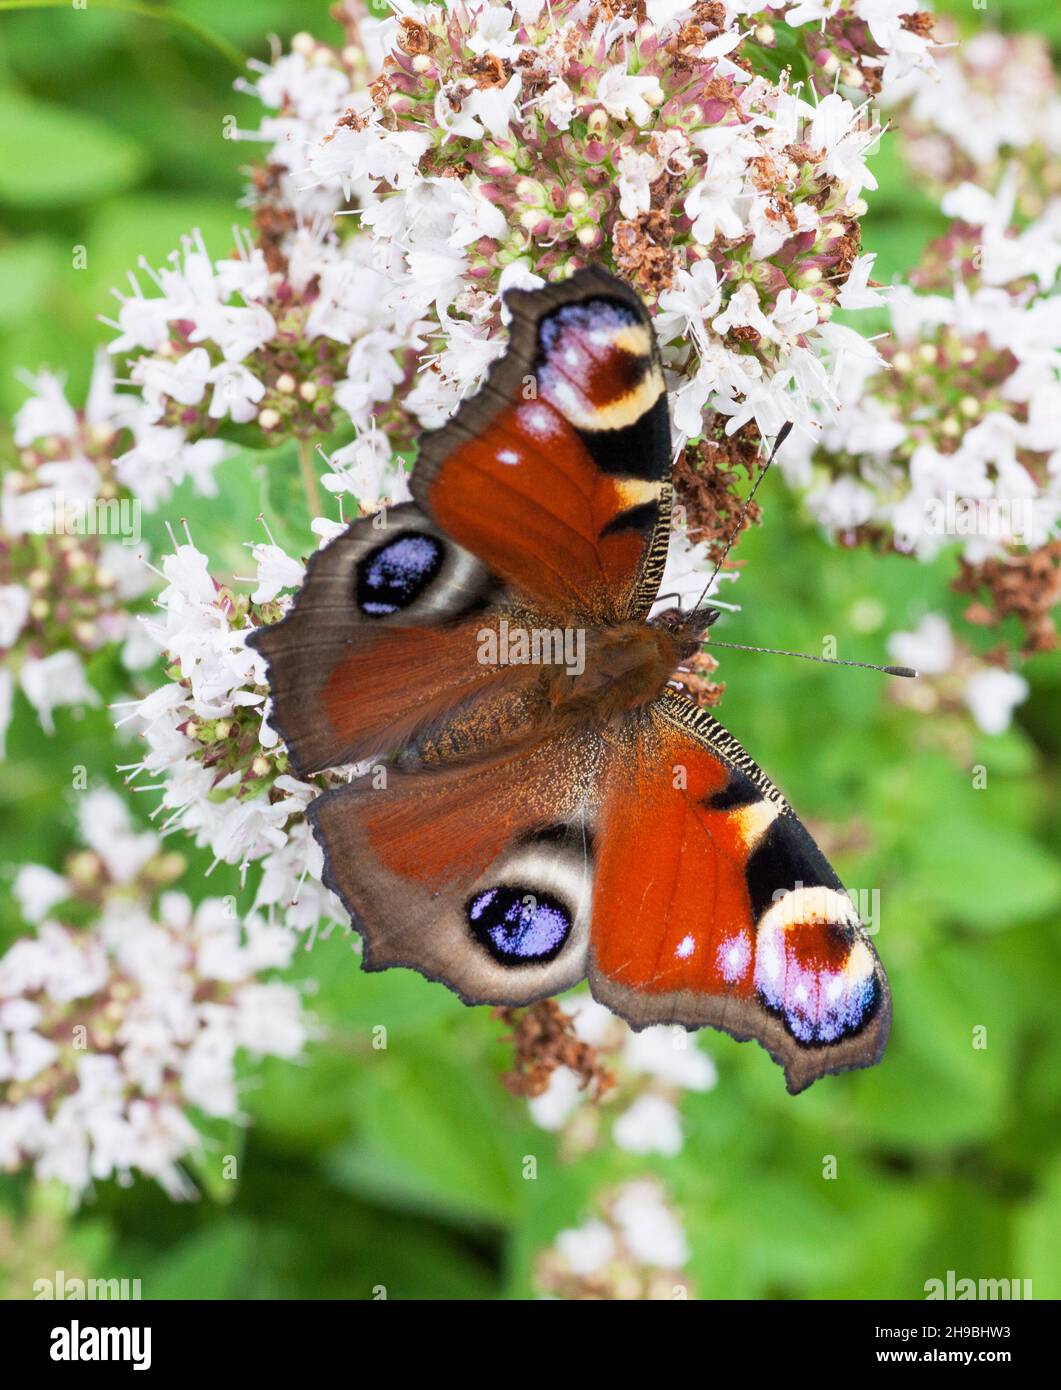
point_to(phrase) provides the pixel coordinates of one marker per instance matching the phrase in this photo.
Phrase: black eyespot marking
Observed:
(396, 573)
(642, 518)
(784, 857)
(738, 791)
(519, 926)
(562, 834)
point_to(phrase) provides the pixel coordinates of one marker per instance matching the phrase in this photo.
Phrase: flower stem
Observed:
(309, 477)
(217, 42)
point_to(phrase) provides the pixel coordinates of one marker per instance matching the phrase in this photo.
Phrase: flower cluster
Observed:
(953, 680)
(578, 1052)
(510, 144)
(112, 1037)
(633, 1249)
(206, 734)
(865, 45)
(993, 104)
(71, 554)
(956, 439)
(305, 94)
(285, 353)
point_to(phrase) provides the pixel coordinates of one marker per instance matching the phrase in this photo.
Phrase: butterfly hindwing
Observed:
(713, 905)
(476, 875)
(556, 473)
(658, 860)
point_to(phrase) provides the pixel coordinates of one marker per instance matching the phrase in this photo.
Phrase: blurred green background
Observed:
(404, 1167)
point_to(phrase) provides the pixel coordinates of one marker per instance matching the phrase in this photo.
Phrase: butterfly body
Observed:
(550, 808)
(627, 667)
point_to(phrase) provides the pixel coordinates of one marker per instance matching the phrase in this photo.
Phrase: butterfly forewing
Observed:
(556, 473)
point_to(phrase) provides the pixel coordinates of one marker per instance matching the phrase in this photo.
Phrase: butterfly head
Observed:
(687, 626)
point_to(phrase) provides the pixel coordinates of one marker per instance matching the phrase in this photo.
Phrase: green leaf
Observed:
(983, 874)
(1038, 1238)
(284, 498)
(210, 1264)
(26, 270)
(216, 1166)
(51, 156)
(429, 1135)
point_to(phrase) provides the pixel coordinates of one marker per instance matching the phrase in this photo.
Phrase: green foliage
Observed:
(402, 1166)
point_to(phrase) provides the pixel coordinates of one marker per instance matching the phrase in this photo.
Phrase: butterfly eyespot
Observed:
(519, 926)
(395, 574)
(817, 975)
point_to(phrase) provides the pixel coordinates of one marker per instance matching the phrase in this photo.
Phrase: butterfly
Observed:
(536, 803)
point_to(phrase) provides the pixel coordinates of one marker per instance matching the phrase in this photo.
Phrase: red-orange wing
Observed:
(713, 905)
(555, 473)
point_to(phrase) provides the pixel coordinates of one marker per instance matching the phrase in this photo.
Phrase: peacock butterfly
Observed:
(554, 810)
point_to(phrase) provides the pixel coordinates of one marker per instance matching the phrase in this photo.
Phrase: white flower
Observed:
(173, 1001)
(842, 504)
(246, 274)
(629, 97)
(562, 1096)
(494, 107)
(835, 128)
(557, 104)
(856, 293)
(238, 330)
(14, 610)
(366, 468)
(712, 205)
(810, 12)
(905, 49)
(106, 827)
(237, 392)
(691, 301)
(374, 152)
(992, 695)
(276, 571)
(651, 1125)
(493, 33)
(587, 1248)
(793, 316)
(591, 1021)
(183, 378)
(637, 171)
(744, 310)
(47, 412)
(650, 1229)
(669, 1055)
(929, 649)
(55, 680)
(37, 891)
(162, 458)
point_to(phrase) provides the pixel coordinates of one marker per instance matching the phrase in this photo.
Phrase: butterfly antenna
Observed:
(782, 435)
(826, 660)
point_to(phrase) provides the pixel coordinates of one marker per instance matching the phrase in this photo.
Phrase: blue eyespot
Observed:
(597, 314)
(396, 573)
(519, 926)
